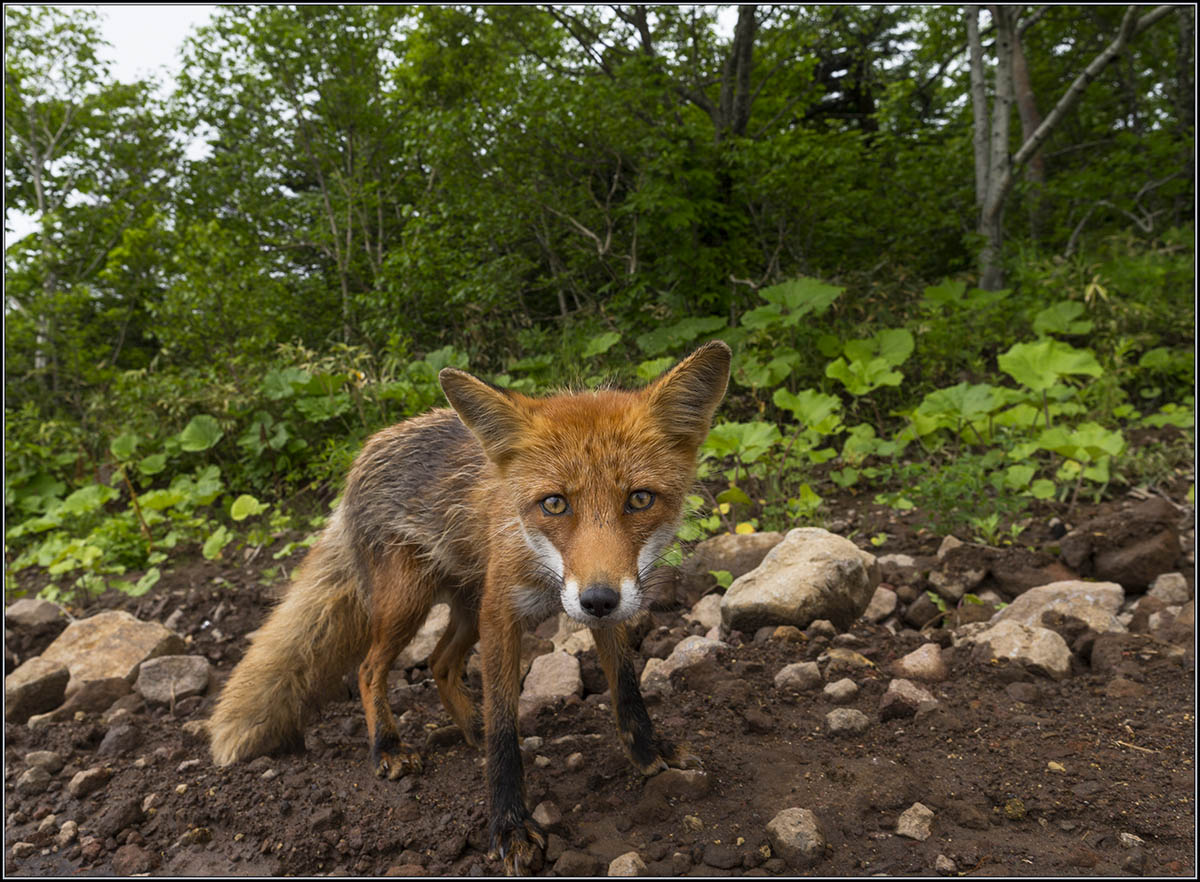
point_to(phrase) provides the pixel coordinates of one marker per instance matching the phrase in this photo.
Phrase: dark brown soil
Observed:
(980, 762)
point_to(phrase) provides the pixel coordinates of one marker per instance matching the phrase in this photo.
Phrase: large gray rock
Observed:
(35, 687)
(1039, 650)
(110, 644)
(170, 678)
(1093, 604)
(812, 574)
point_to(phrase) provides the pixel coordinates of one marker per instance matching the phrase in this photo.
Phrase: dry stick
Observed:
(137, 508)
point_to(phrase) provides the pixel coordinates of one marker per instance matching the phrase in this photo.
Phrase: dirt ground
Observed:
(1120, 799)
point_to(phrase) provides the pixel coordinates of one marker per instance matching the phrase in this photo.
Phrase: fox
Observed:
(510, 509)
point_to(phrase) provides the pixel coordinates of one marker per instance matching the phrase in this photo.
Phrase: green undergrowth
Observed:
(967, 407)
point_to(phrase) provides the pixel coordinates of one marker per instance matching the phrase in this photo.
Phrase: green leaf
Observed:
(144, 584)
(153, 464)
(724, 577)
(215, 542)
(1038, 366)
(600, 344)
(123, 446)
(802, 296)
(246, 506)
(648, 370)
(812, 409)
(1060, 318)
(88, 499)
(202, 433)
(734, 494)
(1042, 488)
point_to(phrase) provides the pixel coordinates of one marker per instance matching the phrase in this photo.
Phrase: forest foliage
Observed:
(232, 282)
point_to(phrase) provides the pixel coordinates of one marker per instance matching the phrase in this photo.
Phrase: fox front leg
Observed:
(648, 753)
(515, 837)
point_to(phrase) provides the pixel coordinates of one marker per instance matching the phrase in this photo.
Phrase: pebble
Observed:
(846, 721)
(46, 759)
(842, 691)
(944, 866)
(23, 849)
(721, 856)
(923, 663)
(800, 676)
(66, 834)
(33, 780)
(119, 740)
(902, 699)
(628, 864)
(88, 781)
(576, 863)
(796, 835)
(575, 762)
(916, 822)
(822, 628)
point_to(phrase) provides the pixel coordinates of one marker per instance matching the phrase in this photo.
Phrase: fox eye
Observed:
(639, 500)
(554, 505)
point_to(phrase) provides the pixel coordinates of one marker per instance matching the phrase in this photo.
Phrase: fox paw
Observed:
(519, 843)
(670, 756)
(395, 760)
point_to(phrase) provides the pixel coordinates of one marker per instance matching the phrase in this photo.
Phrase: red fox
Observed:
(511, 509)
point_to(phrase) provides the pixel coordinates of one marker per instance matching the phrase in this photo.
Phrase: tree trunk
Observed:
(733, 110)
(1035, 169)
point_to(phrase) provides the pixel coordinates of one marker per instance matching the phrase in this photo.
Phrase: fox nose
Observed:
(599, 600)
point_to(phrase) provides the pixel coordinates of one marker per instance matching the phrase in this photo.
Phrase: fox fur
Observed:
(511, 509)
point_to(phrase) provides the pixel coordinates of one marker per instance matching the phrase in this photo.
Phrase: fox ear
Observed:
(492, 414)
(684, 398)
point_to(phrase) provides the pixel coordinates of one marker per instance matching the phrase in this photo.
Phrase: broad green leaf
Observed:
(144, 584)
(811, 408)
(201, 433)
(802, 296)
(1042, 489)
(152, 464)
(1061, 318)
(734, 494)
(1038, 366)
(282, 383)
(215, 542)
(88, 499)
(123, 446)
(600, 344)
(246, 506)
(648, 370)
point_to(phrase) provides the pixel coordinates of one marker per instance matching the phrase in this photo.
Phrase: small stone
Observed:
(883, 603)
(1052, 766)
(916, 822)
(944, 866)
(721, 856)
(66, 834)
(822, 628)
(548, 815)
(799, 676)
(1130, 840)
(171, 678)
(1119, 687)
(36, 687)
(628, 864)
(680, 784)
(576, 863)
(1170, 588)
(693, 823)
(1014, 809)
(88, 781)
(923, 663)
(846, 721)
(46, 759)
(797, 837)
(575, 762)
(33, 612)
(23, 849)
(902, 699)
(119, 740)
(129, 860)
(842, 691)
(948, 545)
(33, 780)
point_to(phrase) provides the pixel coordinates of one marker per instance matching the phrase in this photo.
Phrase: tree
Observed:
(87, 159)
(995, 166)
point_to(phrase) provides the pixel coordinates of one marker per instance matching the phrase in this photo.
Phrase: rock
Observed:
(796, 836)
(944, 866)
(49, 760)
(88, 781)
(916, 822)
(119, 740)
(838, 659)
(812, 574)
(419, 648)
(552, 677)
(688, 652)
(949, 543)
(628, 864)
(1131, 546)
(169, 678)
(1119, 687)
(23, 849)
(33, 781)
(842, 691)
(736, 553)
(800, 676)
(66, 834)
(902, 699)
(548, 815)
(923, 663)
(130, 860)
(821, 628)
(116, 816)
(1039, 650)
(1092, 604)
(571, 637)
(93, 697)
(33, 612)
(1170, 588)
(921, 611)
(110, 644)
(883, 604)
(35, 687)
(846, 721)
(707, 611)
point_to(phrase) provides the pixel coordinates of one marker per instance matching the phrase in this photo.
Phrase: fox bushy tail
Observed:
(316, 634)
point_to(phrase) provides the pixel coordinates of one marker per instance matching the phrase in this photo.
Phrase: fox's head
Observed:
(598, 479)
